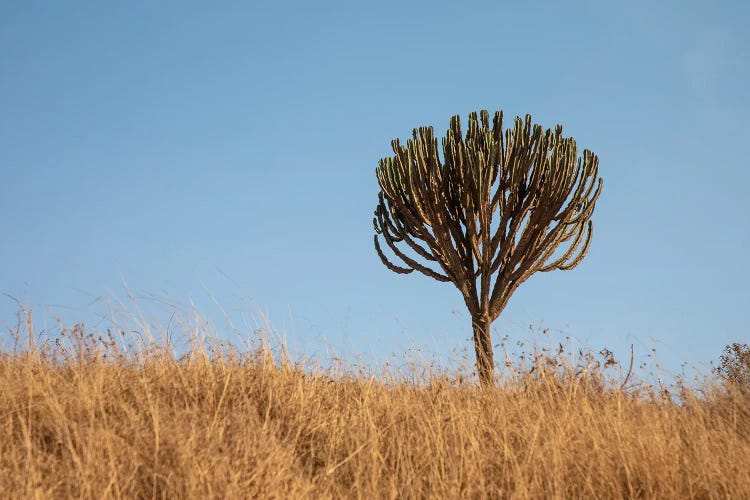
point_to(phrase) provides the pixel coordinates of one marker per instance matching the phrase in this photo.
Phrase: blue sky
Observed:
(224, 153)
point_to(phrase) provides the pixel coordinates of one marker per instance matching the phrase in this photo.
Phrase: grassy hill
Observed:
(91, 417)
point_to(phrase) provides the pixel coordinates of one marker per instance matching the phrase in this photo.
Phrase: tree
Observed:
(487, 215)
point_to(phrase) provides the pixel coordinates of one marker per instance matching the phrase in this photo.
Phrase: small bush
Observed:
(734, 366)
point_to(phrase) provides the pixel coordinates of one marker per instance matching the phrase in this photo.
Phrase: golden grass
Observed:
(92, 419)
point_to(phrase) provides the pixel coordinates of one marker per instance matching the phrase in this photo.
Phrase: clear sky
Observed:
(202, 151)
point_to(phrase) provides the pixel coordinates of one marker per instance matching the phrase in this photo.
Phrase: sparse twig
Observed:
(630, 369)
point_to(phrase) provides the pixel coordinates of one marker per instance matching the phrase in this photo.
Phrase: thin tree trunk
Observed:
(483, 349)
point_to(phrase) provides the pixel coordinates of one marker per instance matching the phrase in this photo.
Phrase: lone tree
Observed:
(489, 214)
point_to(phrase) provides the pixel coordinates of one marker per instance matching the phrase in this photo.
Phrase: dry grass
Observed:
(92, 418)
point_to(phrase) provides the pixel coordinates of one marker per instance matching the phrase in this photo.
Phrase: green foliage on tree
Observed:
(487, 214)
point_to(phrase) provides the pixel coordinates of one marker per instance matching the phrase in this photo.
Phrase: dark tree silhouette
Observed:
(487, 215)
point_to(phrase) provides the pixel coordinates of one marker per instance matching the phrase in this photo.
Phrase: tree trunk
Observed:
(483, 349)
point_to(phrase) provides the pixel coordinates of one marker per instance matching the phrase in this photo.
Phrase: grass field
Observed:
(99, 418)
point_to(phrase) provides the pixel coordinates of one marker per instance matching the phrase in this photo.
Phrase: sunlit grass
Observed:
(113, 416)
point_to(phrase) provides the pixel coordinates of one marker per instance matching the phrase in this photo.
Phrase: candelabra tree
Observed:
(488, 214)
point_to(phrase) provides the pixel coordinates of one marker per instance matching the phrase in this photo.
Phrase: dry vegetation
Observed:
(96, 418)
